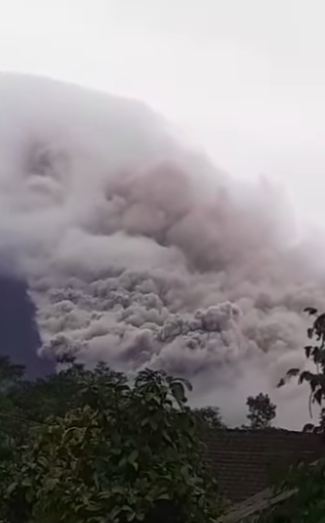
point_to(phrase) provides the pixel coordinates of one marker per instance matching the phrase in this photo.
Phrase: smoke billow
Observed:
(137, 251)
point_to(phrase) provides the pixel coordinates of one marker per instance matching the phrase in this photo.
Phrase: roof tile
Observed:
(244, 462)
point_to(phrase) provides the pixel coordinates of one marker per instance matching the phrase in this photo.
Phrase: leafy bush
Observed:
(120, 452)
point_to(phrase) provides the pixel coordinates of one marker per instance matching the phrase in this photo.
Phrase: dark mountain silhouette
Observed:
(19, 336)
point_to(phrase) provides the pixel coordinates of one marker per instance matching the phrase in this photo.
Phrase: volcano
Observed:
(19, 335)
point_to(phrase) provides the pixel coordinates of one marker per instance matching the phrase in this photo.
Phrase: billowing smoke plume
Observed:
(139, 252)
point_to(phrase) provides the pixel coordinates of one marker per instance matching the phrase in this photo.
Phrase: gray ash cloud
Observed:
(139, 252)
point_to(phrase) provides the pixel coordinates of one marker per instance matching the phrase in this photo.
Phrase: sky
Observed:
(243, 79)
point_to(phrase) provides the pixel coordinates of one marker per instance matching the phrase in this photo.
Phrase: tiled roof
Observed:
(244, 462)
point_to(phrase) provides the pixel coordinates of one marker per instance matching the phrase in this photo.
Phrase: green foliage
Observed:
(209, 417)
(11, 429)
(315, 352)
(305, 484)
(261, 411)
(305, 501)
(102, 449)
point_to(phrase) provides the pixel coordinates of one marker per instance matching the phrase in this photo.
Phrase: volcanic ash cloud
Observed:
(140, 253)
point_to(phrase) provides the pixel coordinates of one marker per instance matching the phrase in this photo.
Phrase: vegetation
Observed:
(209, 417)
(261, 411)
(89, 446)
(306, 483)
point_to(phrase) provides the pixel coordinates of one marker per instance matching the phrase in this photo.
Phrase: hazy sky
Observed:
(245, 77)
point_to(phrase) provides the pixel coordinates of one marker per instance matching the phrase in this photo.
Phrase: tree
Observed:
(315, 351)
(24, 402)
(305, 484)
(261, 411)
(122, 452)
(209, 417)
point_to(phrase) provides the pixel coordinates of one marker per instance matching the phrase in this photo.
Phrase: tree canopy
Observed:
(261, 411)
(91, 446)
(209, 417)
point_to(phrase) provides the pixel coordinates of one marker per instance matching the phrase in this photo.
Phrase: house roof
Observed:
(245, 462)
(250, 509)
